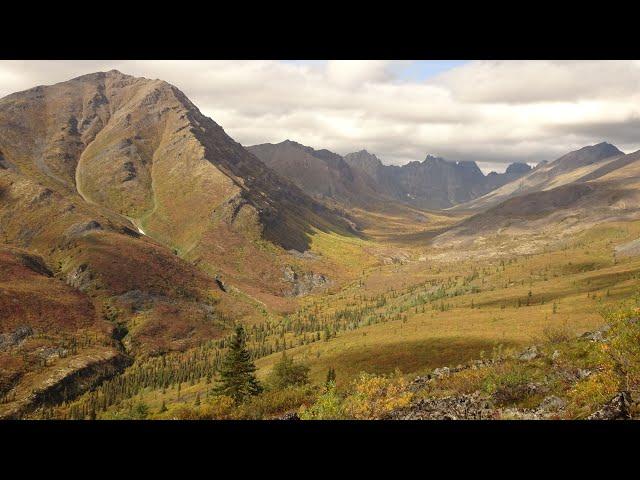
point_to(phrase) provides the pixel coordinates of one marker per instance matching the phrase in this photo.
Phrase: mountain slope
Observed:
(139, 148)
(87, 166)
(360, 179)
(607, 190)
(320, 173)
(572, 167)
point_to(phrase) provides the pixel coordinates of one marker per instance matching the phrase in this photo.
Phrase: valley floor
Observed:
(401, 311)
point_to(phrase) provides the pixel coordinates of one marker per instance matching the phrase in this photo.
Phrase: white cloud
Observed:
(354, 73)
(491, 112)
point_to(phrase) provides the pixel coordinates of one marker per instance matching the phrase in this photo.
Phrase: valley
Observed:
(136, 237)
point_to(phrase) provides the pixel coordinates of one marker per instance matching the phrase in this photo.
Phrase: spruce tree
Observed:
(287, 373)
(237, 372)
(331, 376)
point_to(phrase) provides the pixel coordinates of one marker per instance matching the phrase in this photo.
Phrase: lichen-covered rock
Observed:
(290, 416)
(552, 404)
(616, 409)
(530, 353)
(459, 407)
(598, 335)
(12, 339)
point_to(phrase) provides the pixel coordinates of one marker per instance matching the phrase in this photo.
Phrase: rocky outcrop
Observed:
(529, 354)
(360, 178)
(289, 416)
(458, 407)
(616, 409)
(66, 381)
(434, 182)
(304, 283)
(13, 339)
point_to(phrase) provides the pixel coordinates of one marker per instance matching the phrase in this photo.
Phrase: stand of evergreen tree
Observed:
(237, 372)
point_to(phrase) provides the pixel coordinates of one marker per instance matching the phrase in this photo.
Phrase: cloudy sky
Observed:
(493, 112)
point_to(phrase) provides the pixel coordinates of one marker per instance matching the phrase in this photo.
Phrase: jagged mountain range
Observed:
(359, 177)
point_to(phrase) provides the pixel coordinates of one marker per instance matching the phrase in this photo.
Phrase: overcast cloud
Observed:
(492, 112)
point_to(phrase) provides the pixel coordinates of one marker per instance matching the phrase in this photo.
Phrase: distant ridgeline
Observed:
(360, 178)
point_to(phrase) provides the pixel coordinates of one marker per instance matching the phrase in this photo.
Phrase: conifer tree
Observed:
(331, 376)
(287, 373)
(237, 372)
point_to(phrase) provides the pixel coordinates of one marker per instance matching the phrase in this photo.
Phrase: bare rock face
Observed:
(360, 178)
(12, 339)
(304, 283)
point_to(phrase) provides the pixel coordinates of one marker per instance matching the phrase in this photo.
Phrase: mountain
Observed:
(590, 187)
(514, 171)
(125, 209)
(569, 168)
(322, 174)
(139, 149)
(433, 183)
(361, 179)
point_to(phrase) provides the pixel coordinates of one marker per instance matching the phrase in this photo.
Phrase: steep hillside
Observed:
(127, 219)
(323, 174)
(140, 149)
(580, 165)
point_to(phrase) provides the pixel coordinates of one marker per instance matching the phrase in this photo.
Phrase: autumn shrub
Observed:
(589, 394)
(184, 412)
(218, 407)
(272, 403)
(369, 397)
(465, 382)
(328, 406)
(618, 368)
(508, 383)
(556, 333)
(374, 396)
(622, 349)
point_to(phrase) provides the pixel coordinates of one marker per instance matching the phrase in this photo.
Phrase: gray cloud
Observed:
(491, 112)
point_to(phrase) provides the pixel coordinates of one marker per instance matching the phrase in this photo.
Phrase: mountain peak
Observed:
(433, 158)
(605, 148)
(587, 155)
(518, 167)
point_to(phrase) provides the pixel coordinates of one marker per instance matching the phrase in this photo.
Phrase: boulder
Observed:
(529, 354)
(616, 409)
